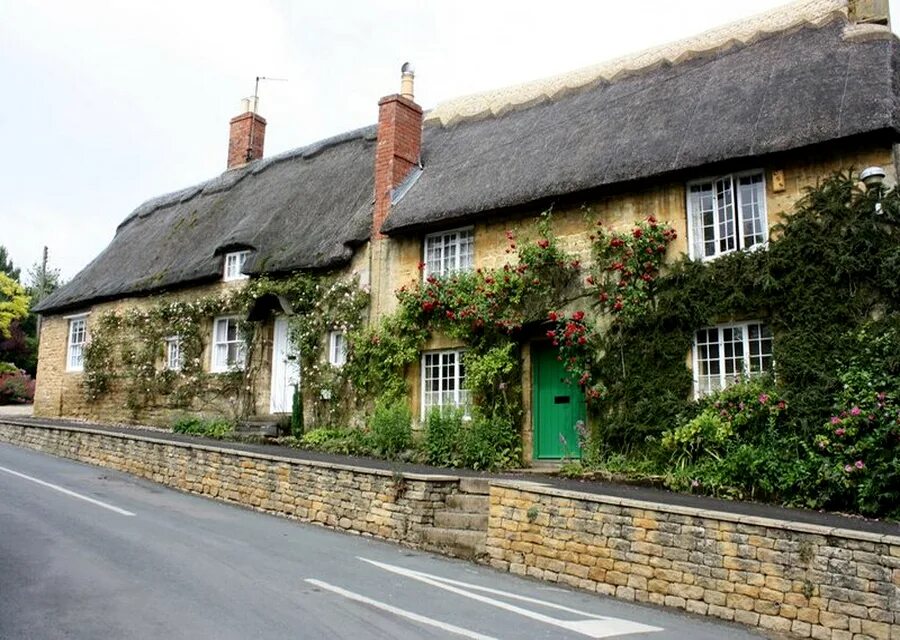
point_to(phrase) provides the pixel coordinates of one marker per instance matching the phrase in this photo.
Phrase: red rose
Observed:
(578, 316)
(553, 316)
(543, 243)
(638, 232)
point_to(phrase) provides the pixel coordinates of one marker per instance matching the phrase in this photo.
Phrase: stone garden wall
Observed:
(801, 579)
(392, 506)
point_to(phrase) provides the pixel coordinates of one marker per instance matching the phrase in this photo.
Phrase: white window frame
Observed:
(217, 364)
(696, 240)
(337, 348)
(751, 364)
(458, 396)
(458, 243)
(233, 263)
(174, 355)
(77, 328)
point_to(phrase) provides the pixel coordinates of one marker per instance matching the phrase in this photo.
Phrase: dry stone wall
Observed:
(800, 579)
(367, 501)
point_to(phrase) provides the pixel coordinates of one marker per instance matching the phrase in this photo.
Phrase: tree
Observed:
(42, 281)
(6, 265)
(13, 303)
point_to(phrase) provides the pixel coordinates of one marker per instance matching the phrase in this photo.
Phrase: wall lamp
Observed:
(873, 178)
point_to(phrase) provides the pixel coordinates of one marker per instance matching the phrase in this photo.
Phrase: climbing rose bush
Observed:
(575, 340)
(627, 265)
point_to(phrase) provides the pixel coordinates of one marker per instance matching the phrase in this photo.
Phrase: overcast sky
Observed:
(107, 104)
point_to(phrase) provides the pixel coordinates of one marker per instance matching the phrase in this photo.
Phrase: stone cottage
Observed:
(718, 135)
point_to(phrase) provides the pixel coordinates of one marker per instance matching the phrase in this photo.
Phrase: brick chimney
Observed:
(247, 135)
(399, 144)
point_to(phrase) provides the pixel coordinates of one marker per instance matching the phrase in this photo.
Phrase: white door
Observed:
(285, 369)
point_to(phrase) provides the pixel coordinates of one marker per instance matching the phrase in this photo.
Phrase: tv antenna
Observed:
(254, 105)
(256, 85)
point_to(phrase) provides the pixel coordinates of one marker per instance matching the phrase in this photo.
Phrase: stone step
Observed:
(259, 425)
(462, 544)
(480, 486)
(460, 520)
(469, 503)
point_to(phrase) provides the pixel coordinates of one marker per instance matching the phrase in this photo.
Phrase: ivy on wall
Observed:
(828, 284)
(127, 348)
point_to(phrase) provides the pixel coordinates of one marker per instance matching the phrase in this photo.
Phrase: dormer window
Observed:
(234, 262)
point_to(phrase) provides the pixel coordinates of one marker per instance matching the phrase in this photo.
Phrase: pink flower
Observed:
(847, 468)
(835, 420)
(859, 464)
(855, 411)
(763, 398)
(839, 432)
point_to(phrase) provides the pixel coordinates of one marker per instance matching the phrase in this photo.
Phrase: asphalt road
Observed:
(92, 554)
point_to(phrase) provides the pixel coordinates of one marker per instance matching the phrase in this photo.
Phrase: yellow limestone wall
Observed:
(666, 201)
(394, 263)
(59, 393)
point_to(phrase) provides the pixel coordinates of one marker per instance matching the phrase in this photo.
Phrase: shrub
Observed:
(443, 437)
(490, 442)
(349, 441)
(391, 427)
(16, 387)
(196, 426)
(479, 442)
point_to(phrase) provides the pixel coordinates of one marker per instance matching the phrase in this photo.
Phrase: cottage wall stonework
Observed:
(392, 262)
(60, 393)
(666, 201)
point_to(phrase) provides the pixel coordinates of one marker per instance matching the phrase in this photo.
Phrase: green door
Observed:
(558, 405)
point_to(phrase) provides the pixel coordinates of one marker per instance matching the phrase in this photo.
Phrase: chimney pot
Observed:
(408, 75)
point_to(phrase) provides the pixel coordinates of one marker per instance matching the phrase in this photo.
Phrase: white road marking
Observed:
(68, 492)
(403, 613)
(594, 627)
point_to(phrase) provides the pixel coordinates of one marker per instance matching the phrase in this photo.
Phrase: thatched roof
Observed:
(304, 209)
(807, 85)
(811, 81)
